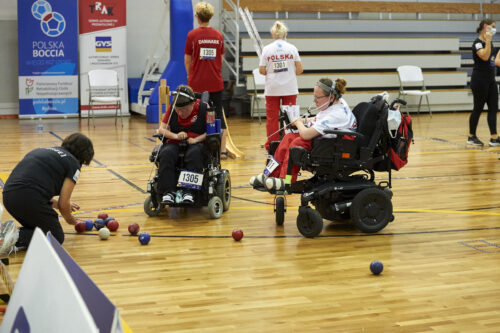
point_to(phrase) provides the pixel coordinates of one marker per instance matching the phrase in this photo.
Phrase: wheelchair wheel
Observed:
(150, 209)
(215, 207)
(371, 210)
(223, 189)
(279, 210)
(309, 222)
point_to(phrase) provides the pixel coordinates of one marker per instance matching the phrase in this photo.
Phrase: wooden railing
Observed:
(366, 6)
(491, 8)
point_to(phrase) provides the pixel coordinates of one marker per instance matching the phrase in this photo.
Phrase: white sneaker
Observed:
(168, 198)
(276, 184)
(9, 234)
(187, 198)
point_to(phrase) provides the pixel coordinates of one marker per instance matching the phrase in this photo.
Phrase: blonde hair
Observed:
(204, 11)
(279, 30)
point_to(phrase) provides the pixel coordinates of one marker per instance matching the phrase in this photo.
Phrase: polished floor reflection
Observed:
(441, 254)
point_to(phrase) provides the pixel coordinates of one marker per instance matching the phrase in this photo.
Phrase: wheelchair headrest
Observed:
(204, 97)
(204, 101)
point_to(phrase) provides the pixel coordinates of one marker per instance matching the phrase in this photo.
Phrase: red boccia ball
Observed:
(103, 216)
(113, 225)
(133, 228)
(237, 234)
(80, 226)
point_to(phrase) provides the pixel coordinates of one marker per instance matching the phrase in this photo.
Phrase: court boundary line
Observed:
(327, 236)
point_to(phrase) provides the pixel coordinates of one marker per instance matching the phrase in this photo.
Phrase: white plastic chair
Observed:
(412, 75)
(104, 89)
(259, 81)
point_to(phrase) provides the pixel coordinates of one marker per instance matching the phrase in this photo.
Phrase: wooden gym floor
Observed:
(441, 255)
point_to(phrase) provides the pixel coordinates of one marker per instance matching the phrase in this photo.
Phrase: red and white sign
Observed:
(103, 45)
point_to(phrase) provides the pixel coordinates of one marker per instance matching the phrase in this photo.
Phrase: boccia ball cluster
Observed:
(103, 221)
(105, 224)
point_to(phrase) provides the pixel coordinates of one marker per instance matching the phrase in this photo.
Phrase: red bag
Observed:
(400, 145)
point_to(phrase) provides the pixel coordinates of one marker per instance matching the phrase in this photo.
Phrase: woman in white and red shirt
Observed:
(334, 113)
(280, 63)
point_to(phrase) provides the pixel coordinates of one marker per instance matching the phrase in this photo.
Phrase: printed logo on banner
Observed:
(103, 44)
(40, 8)
(51, 23)
(99, 7)
(29, 85)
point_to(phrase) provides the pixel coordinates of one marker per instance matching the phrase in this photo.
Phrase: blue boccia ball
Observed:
(376, 267)
(144, 238)
(108, 219)
(99, 224)
(89, 224)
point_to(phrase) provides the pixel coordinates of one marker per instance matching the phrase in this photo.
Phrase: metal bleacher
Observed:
(364, 42)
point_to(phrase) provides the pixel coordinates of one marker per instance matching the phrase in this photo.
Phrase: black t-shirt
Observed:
(44, 169)
(487, 67)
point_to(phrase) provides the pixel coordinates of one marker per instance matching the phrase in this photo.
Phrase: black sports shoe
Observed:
(473, 140)
(495, 142)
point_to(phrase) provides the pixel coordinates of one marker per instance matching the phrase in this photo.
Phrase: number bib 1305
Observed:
(208, 53)
(271, 166)
(188, 179)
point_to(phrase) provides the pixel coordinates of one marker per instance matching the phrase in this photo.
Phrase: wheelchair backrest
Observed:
(366, 115)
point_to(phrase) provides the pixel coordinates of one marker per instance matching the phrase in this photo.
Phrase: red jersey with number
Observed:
(205, 45)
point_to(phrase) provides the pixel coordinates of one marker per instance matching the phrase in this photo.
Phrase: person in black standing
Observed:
(29, 194)
(483, 85)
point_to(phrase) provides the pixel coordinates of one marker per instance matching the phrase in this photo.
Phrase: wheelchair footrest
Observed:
(264, 189)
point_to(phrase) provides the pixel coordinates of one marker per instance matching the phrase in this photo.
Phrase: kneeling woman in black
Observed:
(43, 174)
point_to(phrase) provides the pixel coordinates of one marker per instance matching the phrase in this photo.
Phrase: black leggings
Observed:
(32, 209)
(168, 156)
(484, 92)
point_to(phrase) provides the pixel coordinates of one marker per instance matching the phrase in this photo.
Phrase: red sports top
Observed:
(205, 45)
(187, 123)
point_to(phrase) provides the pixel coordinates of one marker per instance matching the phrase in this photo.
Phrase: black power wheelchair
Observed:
(215, 191)
(343, 186)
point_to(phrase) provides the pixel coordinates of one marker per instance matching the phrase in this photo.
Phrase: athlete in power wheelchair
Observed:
(188, 159)
(343, 184)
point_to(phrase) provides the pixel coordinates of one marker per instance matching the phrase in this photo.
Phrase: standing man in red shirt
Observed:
(203, 60)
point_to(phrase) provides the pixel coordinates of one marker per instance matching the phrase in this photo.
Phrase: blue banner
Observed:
(48, 58)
